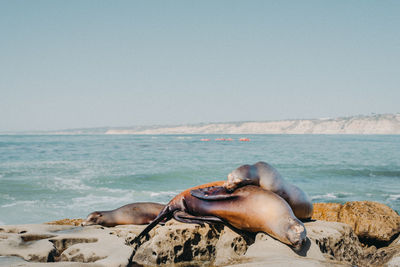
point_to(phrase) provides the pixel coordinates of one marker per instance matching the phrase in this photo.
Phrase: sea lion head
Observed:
(296, 233)
(233, 180)
(242, 175)
(93, 218)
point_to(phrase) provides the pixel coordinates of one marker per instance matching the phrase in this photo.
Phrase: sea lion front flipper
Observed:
(212, 193)
(184, 217)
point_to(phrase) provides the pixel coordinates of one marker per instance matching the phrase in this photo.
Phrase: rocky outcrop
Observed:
(65, 244)
(266, 251)
(336, 240)
(327, 212)
(76, 222)
(374, 223)
(395, 261)
(328, 244)
(176, 242)
(339, 242)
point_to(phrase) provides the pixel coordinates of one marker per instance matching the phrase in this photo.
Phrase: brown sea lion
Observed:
(134, 213)
(267, 177)
(249, 208)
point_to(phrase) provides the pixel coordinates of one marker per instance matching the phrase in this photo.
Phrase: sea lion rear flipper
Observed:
(184, 217)
(212, 193)
(166, 214)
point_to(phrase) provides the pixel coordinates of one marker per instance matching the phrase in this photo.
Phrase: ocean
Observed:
(50, 177)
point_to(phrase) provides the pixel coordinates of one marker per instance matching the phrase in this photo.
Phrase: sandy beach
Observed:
(334, 237)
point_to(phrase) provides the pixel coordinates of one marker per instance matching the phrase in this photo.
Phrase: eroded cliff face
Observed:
(374, 124)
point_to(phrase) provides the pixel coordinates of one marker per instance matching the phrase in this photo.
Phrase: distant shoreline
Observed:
(380, 124)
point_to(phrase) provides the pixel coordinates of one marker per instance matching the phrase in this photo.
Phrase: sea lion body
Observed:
(134, 213)
(267, 177)
(249, 208)
(253, 209)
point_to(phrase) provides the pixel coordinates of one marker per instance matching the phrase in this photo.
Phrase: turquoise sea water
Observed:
(50, 177)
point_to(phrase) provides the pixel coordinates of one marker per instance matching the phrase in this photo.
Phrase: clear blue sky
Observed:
(72, 64)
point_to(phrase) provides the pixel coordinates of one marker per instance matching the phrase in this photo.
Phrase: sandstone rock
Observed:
(89, 246)
(23, 242)
(18, 262)
(372, 222)
(84, 253)
(396, 241)
(216, 245)
(326, 211)
(381, 256)
(75, 222)
(230, 247)
(329, 244)
(268, 251)
(93, 244)
(394, 262)
(179, 242)
(336, 240)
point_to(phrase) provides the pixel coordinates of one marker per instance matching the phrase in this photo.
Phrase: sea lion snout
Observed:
(297, 246)
(232, 182)
(92, 218)
(242, 176)
(296, 234)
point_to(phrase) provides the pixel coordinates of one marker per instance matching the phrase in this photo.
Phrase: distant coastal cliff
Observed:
(374, 124)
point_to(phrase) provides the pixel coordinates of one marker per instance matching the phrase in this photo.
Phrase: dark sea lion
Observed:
(134, 213)
(249, 208)
(267, 177)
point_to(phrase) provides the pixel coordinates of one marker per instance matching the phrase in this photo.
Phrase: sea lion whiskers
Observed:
(296, 234)
(93, 218)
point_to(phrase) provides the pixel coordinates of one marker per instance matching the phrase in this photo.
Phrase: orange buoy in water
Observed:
(220, 139)
(205, 139)
(244, 139)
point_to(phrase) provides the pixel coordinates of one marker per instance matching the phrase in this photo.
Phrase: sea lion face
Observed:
(296, 233)
(93, 218)
(242, 175)
(233, 180)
